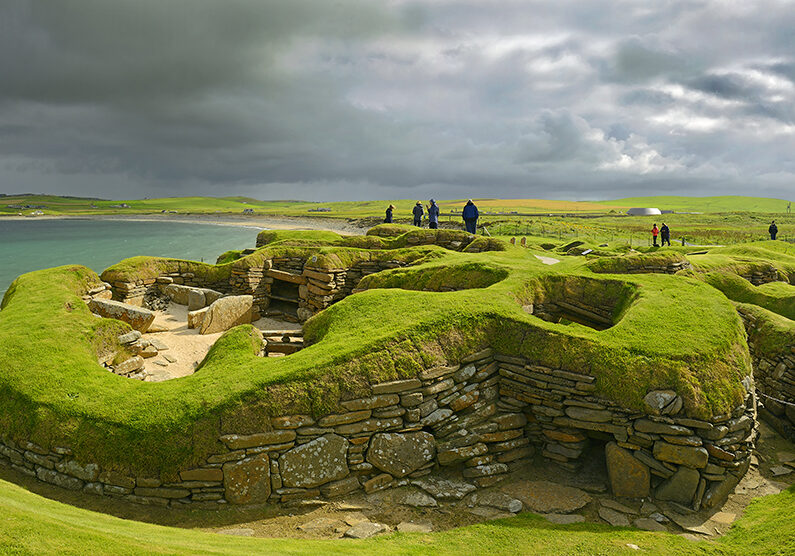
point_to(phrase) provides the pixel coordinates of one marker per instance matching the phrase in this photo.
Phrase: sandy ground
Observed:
(186, 347)
(338, 225)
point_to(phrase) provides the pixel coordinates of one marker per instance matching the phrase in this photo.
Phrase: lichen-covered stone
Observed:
(227, 312)
(680, 487)
(137, 317)
(248, 481)
(315, 463)
(401, 454)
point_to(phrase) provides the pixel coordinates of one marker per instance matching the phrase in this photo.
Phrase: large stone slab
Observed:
(248, 481)
(690, 456)
(315, 463)
(401, 454)
(226, 313)
(680, 487)
(444, 489)
(547, 497)
(628, 476)
(137, 317)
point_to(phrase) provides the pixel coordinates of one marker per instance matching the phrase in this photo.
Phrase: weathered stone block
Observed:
(137, 317)
(315, 463)
(685, 455)
(680, 487)
(628, 476)
(238, 442)
(248, 481)
(227, 312)
(401, 454)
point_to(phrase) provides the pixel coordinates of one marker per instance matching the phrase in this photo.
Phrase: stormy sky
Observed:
(347, 99)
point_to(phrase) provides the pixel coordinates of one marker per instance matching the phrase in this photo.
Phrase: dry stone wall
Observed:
(476, 421)
(774, 373)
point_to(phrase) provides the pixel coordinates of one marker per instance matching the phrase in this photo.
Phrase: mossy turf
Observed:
(669, 332)
(31, 524)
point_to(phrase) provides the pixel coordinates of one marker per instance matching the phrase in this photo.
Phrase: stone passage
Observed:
(476, 420)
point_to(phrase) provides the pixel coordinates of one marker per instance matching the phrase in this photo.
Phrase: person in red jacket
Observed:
(654, 232)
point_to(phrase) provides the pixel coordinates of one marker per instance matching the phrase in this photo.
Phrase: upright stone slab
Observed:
(315, 463)
(401, 454)
(628, 476)
(680, 487)
(226, 313)
(137, 317)
(248, 481)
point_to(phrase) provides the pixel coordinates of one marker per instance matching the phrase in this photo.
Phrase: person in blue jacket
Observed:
(470, 216)
(418, 212)
(433, 215)
(388, 219)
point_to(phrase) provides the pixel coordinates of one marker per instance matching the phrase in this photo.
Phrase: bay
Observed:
(30, 244)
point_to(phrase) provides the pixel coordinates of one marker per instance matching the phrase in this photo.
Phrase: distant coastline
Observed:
(256, 221)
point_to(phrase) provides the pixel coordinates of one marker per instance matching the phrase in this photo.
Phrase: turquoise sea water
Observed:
(30, 244)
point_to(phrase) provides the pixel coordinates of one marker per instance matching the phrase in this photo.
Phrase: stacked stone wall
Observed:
(476, 421)
(774, 374)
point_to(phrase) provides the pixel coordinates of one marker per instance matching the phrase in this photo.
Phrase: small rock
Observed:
(410, 527)
(355, 518)
(161, 363)
(656, 400)
(659, 518)
(415, 498)
(444, 489)
(365, 530)
(169, 358)
(159, 344)
(496, 500)
(148, 351)
(778, 470)
(487, 512)
(129, 337)
(633, 546)
(614, 518)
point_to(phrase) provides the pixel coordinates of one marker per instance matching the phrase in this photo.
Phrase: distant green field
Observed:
(54, 205)
(727, 203)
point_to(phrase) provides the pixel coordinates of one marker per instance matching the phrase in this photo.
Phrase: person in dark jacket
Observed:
(388, 219)
(773, 229)
(470, 216)
(665, 235)
(418, 212)
(433, 215)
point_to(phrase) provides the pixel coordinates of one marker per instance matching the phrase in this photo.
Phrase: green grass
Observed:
(673, 333)
(31, 524)
(726, 203)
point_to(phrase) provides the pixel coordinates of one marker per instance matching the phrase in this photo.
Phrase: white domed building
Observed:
(637, 211)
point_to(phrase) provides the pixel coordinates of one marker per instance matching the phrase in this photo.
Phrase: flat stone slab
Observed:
(137, 317)
(614, 518)
(321, 524)
(647, 524)
(444, 489)
(365, 530)
(724, 518)
(617, 506)
(411, 527)
(778, 470)
(546, 497)
(415, 498)
(496, 500)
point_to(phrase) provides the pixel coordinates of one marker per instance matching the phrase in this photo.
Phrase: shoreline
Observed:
(257, 222)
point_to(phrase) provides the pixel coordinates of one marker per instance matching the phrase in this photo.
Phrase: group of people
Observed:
(663, 232)
(470, 215)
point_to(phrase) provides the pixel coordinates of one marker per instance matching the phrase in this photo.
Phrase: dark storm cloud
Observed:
(353, 98)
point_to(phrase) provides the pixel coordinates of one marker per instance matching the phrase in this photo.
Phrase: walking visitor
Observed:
(470, 215)
(418, 212)
(433, 215)
(654, 232)
(773, 230)
(388, 219)
(665, 235)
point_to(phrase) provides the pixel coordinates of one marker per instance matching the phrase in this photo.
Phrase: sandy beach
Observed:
(262, 222)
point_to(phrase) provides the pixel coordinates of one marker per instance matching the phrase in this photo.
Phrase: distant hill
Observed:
(727, 203)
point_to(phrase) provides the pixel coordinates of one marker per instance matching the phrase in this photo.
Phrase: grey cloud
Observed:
(357, 99)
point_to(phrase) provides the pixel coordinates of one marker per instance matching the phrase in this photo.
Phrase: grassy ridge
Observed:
(31, 524)
(726, 203)
(677, 333)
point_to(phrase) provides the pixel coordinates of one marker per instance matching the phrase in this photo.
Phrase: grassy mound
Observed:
(673, 333)
(31, 524)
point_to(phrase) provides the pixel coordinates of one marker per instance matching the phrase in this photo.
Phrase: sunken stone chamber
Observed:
(476, 421)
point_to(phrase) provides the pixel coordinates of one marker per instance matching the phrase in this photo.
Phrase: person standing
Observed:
(470, 215)
(418, 212)
(665, 235)
(433, 215)
(654, 233)
(773, 230)
(388, 219)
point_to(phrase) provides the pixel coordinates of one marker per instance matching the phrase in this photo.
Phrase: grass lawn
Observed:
(31, 524)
